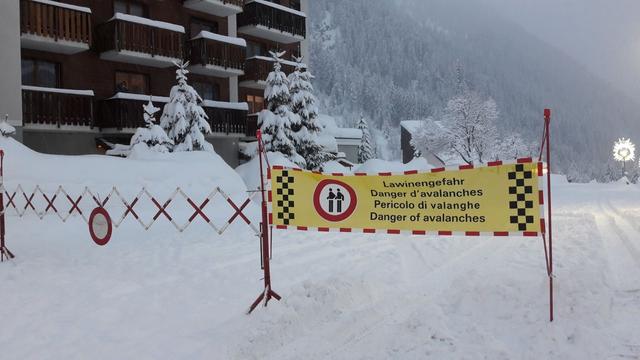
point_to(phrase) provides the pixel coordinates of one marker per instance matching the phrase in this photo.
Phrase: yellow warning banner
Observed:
(498, 199)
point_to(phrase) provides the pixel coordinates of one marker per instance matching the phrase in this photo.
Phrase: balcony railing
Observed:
(291, 24)
(140, 38)
(257, 69)
(56, 21)
(124, 111)
(213, 55)
(57, 107)
(252, 125)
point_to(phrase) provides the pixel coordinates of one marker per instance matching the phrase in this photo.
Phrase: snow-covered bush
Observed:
(277, 121)
(5, 128)
(305, 133)
(183, 118)
(153, 136)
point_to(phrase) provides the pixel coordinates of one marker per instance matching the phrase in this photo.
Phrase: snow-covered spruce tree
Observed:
(365, 150)
(305, 132)
(471, 129)
(153, 136)
(277, 121)
(183, 118)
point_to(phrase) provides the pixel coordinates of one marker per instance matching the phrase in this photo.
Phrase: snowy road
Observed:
(162, 295)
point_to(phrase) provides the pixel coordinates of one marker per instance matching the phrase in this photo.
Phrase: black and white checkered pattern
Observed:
(284, 201)
(522, 197)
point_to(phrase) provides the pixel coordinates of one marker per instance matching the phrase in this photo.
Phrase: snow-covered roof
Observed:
(347, 133)
(412, 125)
(277, 6)
(286, 62)
(63, 5)
(328, 142)
(148, 22)
(163, 99)
(59, 91)
(330, 127)
(217, 37)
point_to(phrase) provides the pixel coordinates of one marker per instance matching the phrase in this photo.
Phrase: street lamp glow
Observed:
(624, 150)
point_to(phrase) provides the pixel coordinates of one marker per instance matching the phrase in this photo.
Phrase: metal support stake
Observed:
(267, 294)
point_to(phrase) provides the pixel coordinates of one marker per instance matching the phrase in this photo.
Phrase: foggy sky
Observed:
(604, 35)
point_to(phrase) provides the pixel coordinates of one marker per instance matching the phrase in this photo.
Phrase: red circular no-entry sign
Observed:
(100, 226)
(334, 200)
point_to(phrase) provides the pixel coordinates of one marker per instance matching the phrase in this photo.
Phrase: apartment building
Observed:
(76, 72)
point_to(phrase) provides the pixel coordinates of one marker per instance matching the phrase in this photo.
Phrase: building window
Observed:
(129, 7)
(256, 103)
(198, 25)
(40, 73)
(132, 83)
(295, 4)
(207, 91)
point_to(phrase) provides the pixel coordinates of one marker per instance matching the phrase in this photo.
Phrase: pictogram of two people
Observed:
(338, 198)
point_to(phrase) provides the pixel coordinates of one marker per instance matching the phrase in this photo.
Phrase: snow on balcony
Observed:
(273, 22)
(141, 41)
(222, 8)
(54, 27)
(217, 55)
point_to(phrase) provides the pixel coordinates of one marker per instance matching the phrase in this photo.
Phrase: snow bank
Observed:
(335, 167)
(155, 171)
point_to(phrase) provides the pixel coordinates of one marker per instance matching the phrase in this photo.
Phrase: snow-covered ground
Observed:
(161, 294)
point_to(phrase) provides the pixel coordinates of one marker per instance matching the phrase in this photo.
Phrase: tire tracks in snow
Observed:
(379, 318)
(617, 234)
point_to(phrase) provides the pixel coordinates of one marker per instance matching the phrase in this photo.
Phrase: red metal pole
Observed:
(267, 294)
(547, 123)
(4, 252)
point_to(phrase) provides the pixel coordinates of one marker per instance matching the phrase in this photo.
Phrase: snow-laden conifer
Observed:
(277, 120)
(305, 132)
(183, 118)
(365, 150)
(153, 136)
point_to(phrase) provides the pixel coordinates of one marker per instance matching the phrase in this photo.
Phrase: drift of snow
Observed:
(165, 294)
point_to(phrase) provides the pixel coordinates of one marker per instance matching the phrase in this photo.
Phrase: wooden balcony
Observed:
(55, 27)
(123, 113)
(217, 55)
(140, 41)
(42, 107)
(221, 8)
(257, 69)
(273, 22)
